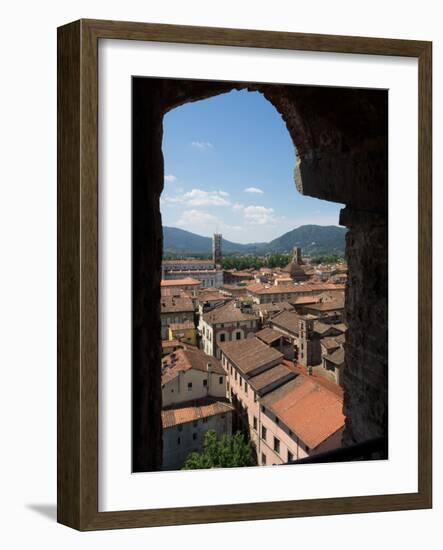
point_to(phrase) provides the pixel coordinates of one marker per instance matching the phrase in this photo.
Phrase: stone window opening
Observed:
(341, 140)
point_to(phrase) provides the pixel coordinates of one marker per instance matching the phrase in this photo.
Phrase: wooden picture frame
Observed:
(77, 274)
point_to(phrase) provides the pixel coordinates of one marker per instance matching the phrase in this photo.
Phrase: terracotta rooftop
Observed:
(175, 291)
(329, 305)
(250, 354)
(307, 408)
(171, 343)
(227, 313)
(323, 328)
(191, 413)
(183, 360)
(188, 281)
(268, 335)
(273, 307)
(233, 286)
(287, 320)
(170, 304)
(258, 288)
(279, 374)
(303, 300)
(337, 357)
(206, 295)
(333, 342)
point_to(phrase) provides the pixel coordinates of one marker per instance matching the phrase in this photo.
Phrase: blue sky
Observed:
(229, 165)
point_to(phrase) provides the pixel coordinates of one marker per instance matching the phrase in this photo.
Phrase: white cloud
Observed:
(202, 145)
(258, 215)
(171, 178)
(195, 219)
(254, 190)
(237, 206)
(198, 197)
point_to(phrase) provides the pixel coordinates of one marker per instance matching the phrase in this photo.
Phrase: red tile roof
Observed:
(174, 304)
(268, 335)
(293, 289)
(250, 354)
(187, 281)
(227, 313)
(308, 408)
(182, 415)
(185, 359)
(275, 375)
(287, 320)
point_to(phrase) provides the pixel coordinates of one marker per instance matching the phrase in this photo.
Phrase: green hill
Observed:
(315, 240)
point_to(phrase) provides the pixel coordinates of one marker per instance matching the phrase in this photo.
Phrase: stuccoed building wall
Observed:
(179, 441)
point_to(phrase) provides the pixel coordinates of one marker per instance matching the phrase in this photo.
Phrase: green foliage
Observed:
(332, 259)
(230, 451)
(255, 262)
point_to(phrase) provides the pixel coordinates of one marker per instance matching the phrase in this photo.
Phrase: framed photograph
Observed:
(242, 218)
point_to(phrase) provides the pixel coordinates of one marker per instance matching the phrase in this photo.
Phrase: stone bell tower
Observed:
(217, 248)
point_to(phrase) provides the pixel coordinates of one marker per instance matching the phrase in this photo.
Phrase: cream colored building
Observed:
(231, 322)
(193, 402)
(287, 414)
(189, 375)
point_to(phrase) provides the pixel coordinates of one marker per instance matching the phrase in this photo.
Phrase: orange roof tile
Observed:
(182, 415)
(180, 282)
(308, 408)
(185, 359)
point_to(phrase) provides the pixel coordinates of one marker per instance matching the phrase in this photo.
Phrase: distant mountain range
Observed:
(315, 240)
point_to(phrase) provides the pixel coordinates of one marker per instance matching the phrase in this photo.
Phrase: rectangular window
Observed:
(276, 445)
(194, 436)
(255, 423)
(263, 433)
(178, 441)
(263, 459)
(220, 379)
(189, 386)
(246, 387)
(255, 397)
(238, 335)
(290, 456)
(205, 383)
(235, 376)
(222, 337)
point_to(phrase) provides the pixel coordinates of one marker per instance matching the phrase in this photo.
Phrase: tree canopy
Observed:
(331, 259)
(256, 262)
(230, 451)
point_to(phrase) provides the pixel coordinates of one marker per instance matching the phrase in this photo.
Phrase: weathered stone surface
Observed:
(365, 375)
(147, 240)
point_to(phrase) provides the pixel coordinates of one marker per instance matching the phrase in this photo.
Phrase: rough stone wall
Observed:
(147, 242)
(365, 374)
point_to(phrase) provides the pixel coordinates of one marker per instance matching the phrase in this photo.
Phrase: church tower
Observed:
(217, 248)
